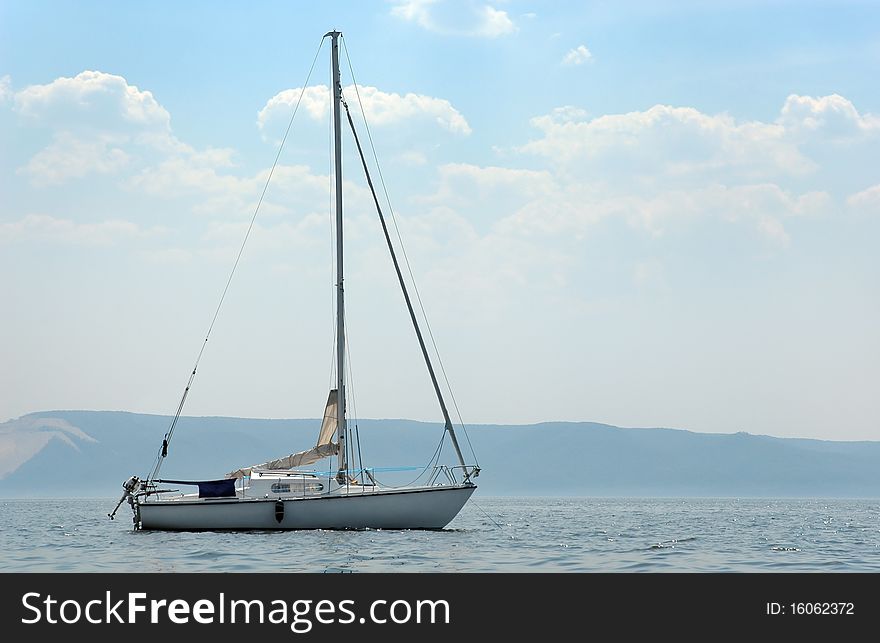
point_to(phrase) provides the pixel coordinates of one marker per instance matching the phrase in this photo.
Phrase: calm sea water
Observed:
(490, 535)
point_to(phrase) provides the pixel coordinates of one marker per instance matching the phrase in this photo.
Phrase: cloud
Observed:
(667, 140)
(382, 108)
(572, 208)
(668, 148)
(652, 169)
(412, 158)
(93, 98)
(577, 56)
(460, 180)
(868, 199)
(5, 88)
(533, 206)
(41, 227)
(464, 267)
(529, 181)
(494, 23)
(773, 230)
(655, 170)
(832, 116)
(484, 195)
(458, 18)
(667, 167)
(184, 175)
(102, 125)
(69, 157)
(99, 124)
(228, 195)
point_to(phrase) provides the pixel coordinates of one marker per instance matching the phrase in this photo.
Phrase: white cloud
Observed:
(180, 176)
(99, 124)
(573, 208)
(485, 196)
(41, 227)
(412, 158)
(315, 101)
(386, 108)
(227, 195)
(655, 170)
(458, 18)
(5, 88)
(528, 205)
(495, 177)
(833, 116)
(417, 11)
(464, 180)
(652, 169)
(773, 230)
(868, 199)
(666, 149)
(69, 157)
(102, 125)
(676, 141)
(494, 23)
(382, 108)
(95, 98)
(567, 114)
(577, 56)
(465, 268)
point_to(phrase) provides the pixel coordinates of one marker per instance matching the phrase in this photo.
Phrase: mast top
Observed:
(333, 34)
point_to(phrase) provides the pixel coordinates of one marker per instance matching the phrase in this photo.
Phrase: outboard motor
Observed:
(130, 487)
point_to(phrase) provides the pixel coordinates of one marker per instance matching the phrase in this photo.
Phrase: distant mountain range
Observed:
(90, 453)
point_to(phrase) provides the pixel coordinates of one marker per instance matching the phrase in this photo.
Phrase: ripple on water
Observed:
(531, 534)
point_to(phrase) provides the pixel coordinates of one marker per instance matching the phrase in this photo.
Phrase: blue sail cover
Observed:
(209, 488)
(217, 489)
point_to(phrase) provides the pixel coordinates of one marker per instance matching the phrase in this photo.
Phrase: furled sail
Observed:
(328, 425)
(323, 449)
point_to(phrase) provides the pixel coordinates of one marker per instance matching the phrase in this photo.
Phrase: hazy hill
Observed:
(77, 453)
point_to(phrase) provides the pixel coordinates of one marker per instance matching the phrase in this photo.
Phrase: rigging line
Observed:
(163, 452)
(487, 515)
(357, 436)
(405, 256)
(350, 387)
(432, 461)
(332, 361)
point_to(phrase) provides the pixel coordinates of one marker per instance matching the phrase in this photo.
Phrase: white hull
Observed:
(415, 508)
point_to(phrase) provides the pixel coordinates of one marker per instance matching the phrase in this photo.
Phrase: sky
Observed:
(638, 213)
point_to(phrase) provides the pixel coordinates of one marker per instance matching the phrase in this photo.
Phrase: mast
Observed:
(341, 475)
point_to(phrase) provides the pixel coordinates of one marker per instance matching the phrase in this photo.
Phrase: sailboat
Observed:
(281, 493)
